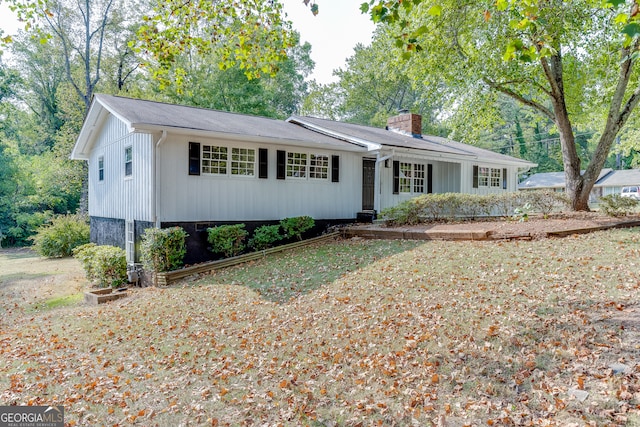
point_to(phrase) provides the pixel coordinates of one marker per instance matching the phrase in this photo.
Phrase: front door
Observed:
(368, 183)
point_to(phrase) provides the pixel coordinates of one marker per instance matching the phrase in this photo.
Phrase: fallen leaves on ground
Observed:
(404, 333)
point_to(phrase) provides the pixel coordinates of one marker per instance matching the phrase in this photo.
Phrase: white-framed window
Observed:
(128, 161)
(296, 165)
(489, 177)
(243, 161)
(101, 168)
(412, 178)
(319, 166)
(214, 160)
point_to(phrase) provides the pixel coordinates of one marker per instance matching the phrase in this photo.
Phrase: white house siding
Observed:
(205, 198)
(448, 177)
(117, 196)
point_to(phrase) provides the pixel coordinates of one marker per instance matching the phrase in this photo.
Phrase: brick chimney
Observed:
(406, 122)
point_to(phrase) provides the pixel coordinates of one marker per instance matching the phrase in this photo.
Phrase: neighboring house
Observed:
(609, 182)
(158, 165)
(613, 182)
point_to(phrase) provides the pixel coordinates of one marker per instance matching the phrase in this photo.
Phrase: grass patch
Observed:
(64, 301)
(289, 274)
(348, 333)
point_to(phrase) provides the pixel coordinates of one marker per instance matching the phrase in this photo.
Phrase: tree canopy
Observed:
(571, 62)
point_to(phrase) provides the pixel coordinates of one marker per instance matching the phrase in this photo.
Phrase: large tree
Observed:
(573, 62)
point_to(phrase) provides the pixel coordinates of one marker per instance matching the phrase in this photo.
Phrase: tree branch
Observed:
(518, 97)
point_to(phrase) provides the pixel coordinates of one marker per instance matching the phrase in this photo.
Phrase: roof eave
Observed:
(151, 128)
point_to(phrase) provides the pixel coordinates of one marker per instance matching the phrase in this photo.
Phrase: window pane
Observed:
(319, 166)
(243, 161)
(214, 160)
(483, 177)
(405, 177)
(496, 175)
(418, 178)
(297, 165)
(128, 162)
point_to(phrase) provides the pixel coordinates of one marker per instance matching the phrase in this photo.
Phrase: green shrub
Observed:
(265, 236)
(104, 265)
(409, 212)
(227, 239)
(472, 206)
(546, 201)
(294, 227)
(61, 236)
(504, 204)
(163, 249)
(616, 205)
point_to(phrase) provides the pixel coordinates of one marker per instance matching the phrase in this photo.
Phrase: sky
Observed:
(333, 33)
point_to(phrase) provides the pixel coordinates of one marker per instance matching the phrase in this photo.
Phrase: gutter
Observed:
(155, 199)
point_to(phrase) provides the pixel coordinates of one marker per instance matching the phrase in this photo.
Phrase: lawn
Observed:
(350, 333)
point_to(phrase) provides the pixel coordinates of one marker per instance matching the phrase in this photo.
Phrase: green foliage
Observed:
(104, 265)
(616, 205)
(504, 204)
(61, 236)
(471, 206)
(265, 236)
(546, 201)
(275, 96)
(522, 213)
(227, 239)
(250, 34)
(294, 227)
(163, 249)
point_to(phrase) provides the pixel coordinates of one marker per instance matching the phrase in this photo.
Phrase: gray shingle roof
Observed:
(620, 178)
(147, 114)
(395, 139)
(557, 179)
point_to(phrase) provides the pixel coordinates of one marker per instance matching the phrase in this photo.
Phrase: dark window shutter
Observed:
(263, 163)
(396, 177)
(429, 178)
(194, 158)
(335, 168)
(504, 178)
(475, 176)
(281, 164)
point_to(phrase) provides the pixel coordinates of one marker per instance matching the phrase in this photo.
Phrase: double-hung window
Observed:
(319, 166)
(243, 161)
(410, 178)
(296, 165)
(484, 176)
(214, 160)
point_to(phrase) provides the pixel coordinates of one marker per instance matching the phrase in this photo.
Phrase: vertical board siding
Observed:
(229, 198)
(119, 197)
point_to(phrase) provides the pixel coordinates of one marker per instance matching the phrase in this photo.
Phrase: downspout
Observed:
(377, 187)
(155, 203)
